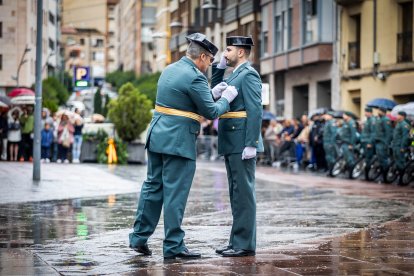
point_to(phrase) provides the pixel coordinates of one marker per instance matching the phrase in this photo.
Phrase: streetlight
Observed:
(22, 61)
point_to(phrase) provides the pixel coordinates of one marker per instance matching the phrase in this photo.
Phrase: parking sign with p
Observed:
(81, 76)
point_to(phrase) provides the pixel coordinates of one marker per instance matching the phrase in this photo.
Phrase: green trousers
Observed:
(369, 153)
(330, 154)
(399, 158)
(381, 149)
(348, 155)
(168, 183)
(241, 178)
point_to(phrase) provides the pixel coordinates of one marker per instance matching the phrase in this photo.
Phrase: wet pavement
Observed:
(307, 225)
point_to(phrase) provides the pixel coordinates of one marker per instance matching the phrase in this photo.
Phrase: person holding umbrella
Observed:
(3, 133)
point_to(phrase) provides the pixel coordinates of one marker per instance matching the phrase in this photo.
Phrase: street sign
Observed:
(81, 76)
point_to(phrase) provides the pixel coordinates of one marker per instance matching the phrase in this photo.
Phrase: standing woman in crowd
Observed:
(14, 134)
(65, 138)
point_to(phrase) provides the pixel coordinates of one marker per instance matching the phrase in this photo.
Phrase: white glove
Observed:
(218, 89)
(230, 93)
(223, 62)
(249, 152)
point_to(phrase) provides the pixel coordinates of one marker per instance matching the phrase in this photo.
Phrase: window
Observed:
(354, 42)
(99, 43)
(1, 62)
(82, 41)
(1, 29)
(283, 25)
(1, 2)
(51, 18)
(51, 44)
(310, 21)
(405, 36)
(265, 31)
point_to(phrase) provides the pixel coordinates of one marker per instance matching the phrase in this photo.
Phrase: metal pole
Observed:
(38, 102)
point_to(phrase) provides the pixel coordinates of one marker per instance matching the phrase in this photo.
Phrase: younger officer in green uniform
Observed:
(239, 140)
(401, 141)
(367, 136)
(329, 139)
(182, 94)
(382, 137)
(347, 135)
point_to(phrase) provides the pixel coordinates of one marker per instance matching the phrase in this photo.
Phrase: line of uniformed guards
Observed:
(380, 149)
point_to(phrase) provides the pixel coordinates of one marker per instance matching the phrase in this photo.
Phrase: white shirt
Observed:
(235, 69)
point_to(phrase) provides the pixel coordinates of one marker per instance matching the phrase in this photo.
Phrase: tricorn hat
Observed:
(201, 40)
(242, 41)
(402, 113)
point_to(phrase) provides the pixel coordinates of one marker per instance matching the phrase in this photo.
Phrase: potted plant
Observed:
(131, 114)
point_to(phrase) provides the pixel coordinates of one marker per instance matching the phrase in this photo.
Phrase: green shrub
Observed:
(130, 112)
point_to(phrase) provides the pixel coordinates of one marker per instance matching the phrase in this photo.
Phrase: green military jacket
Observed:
(347, 133)
(237, 133)
(368, 132)
(329, 132)
(383, 130)
(182, 86)
(401, 138)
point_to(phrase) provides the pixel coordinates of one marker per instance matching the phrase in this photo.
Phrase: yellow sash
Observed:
(234, 114)
(176, 112)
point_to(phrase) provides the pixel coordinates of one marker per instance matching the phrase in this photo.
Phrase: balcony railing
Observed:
(405, 47)
(354, 55)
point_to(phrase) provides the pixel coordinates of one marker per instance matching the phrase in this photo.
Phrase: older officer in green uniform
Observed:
(239, 140)
(329, 139)
(183, 95)
(382, 137)
(401, 141)
(347, 135)
(367, 137)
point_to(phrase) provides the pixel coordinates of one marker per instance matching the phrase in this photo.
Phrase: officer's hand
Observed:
(230, 93)
(402, 150)
(369, 146)
(218, 90)
(223, 62)
(350, 146)
(249, 152)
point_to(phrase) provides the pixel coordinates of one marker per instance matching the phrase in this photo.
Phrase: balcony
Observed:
(230, 14)
(347, 2)
(248, 7)
(405, 47)
(354, 55)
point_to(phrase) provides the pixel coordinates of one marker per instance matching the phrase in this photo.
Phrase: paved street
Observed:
(77, 219)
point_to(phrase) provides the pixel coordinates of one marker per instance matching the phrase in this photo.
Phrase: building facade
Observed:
(297, 55)
(135, 22)
(217, 19)
(85, 47)
(376, 51)
(18, 42)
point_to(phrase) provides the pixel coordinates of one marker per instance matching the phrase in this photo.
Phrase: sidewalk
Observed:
(307, 225)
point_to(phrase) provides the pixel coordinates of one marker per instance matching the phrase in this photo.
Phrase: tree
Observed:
(106, 106)
(49, 97)
(97, 102)
(119, 78)
(62, 93)
(147, 85)
(130, 112)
